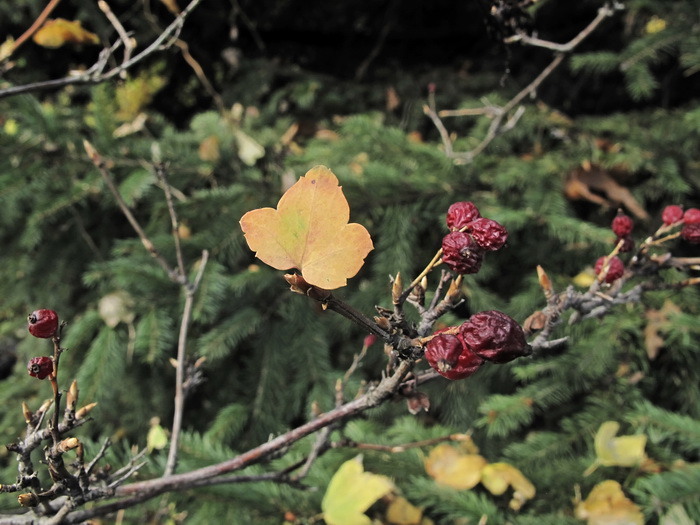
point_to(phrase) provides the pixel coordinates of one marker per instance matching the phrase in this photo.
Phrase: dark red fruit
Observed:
(461, 253)
(40, 367)
(672, 214)
(494, 336)
(460, 214)
(691, 216)
(615, 270)
(448, 355)
(622, 225)
(489, 235)
(627, 245)
(691, 232)
(43, 323)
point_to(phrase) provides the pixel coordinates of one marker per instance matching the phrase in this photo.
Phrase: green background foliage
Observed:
(626, 102)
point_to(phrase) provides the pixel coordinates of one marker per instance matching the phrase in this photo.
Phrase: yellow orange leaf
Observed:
(351, 492)
(622, 451)
(309, 231)
(497, 477)
(54, 33)
(401, 512)
(448, 466)
(608, 505)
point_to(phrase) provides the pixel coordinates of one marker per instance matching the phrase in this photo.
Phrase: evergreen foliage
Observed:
(272, 358)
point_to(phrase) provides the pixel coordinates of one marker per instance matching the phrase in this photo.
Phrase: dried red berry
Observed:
(494, 336)
(691, 216)
(622, 224)
(461, 253)
(448, 355)
(460, 214)
(43, 323)
(672, 214)
(627, 245)
(40, 367)
(691, 232)
(615, 270)
(488, 234)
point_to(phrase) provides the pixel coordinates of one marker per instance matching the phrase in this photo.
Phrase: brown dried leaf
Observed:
(583, 182)
(656, 323)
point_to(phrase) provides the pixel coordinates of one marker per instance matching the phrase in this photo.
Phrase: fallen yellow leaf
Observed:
(622, 451)
(448, 466)
(351, 492)
(497, 477)
(54, 33)
(608, 505)
(401, 512)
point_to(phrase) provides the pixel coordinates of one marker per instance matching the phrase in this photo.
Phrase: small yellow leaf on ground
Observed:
(622, 451)
(497, 477)
(608, 505)
(401, 512)
(157, 437)
(54, 33)
(351, 492)
(448, 466)
(309, 231)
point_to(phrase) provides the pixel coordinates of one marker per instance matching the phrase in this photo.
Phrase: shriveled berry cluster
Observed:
(688, 219)
(43, 324)
(615, 268)
(622, 226)
(470, 237)
(40, 367)
(691, 226)
(485, 336)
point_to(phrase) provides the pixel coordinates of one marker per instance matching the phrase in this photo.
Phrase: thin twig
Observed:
(397, 449)
(123, 35)
(100, 454)
(502, 122)
(174, 223)
(190, 291)
(603, 13)
(99, 163)
(35, 26)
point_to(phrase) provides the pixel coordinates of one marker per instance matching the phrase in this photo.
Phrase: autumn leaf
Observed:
(448, 466)
(608, 505)
(401, 512)
(621, 451)
(249, 151)
(351, 492)
(497, 477)
(309, 231)
(585, 181)
(157, 438)
(54, 33)
(657, 322)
